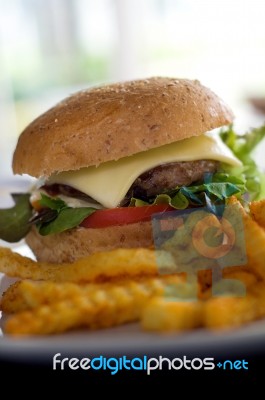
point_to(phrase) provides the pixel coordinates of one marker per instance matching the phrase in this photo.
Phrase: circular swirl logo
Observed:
(221, 227)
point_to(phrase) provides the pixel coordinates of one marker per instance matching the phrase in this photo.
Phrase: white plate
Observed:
(130, 339)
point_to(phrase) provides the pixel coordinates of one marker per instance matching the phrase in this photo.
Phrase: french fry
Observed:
(27, 294)
(258, 291)
(100, 267)
(214, 313)
(125, 285)
(229, 312)
(73, 306)
(257, 210)
(167, 315)
(246, 277)
(254, 240)
(241, 273)
(255, 246)
(10, 297)
(24, 295)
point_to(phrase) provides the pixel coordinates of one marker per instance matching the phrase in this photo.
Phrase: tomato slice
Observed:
(123, 215)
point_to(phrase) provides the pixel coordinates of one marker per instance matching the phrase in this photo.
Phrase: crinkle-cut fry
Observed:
(257, 210)
(105, 305)
(100, 267)
(167, 315)
(26, 294)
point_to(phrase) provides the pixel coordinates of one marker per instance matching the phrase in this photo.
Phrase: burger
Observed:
(107, 159)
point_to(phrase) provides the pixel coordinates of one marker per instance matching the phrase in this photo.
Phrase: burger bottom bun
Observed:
(80, 242)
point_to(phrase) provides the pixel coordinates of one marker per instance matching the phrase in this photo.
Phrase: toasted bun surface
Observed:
(81, 242)
(110, 122)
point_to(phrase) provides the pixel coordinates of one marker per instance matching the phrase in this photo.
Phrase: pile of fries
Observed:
(124, 285)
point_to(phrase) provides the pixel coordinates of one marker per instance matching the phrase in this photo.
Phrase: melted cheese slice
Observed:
(109, 182)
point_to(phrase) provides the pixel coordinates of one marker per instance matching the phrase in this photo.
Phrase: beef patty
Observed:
(165, 177)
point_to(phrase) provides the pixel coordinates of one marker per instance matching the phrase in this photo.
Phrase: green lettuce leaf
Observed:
(52, 203)
(58, 217)
(243, 146)
(14, 222)
(67, 218)
(215, 192)
(55, 217)
(179, 201)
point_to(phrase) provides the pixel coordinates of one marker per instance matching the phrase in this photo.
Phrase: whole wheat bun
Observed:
(81, 242)
(107, 123)
(110, 122)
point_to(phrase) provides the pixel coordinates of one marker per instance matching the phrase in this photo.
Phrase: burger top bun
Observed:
(110, 122)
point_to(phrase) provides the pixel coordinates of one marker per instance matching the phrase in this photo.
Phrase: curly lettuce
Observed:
(212, 193)
(243, 147)
(14, 221)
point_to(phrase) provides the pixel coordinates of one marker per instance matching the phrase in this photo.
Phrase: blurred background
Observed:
(51, 48)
